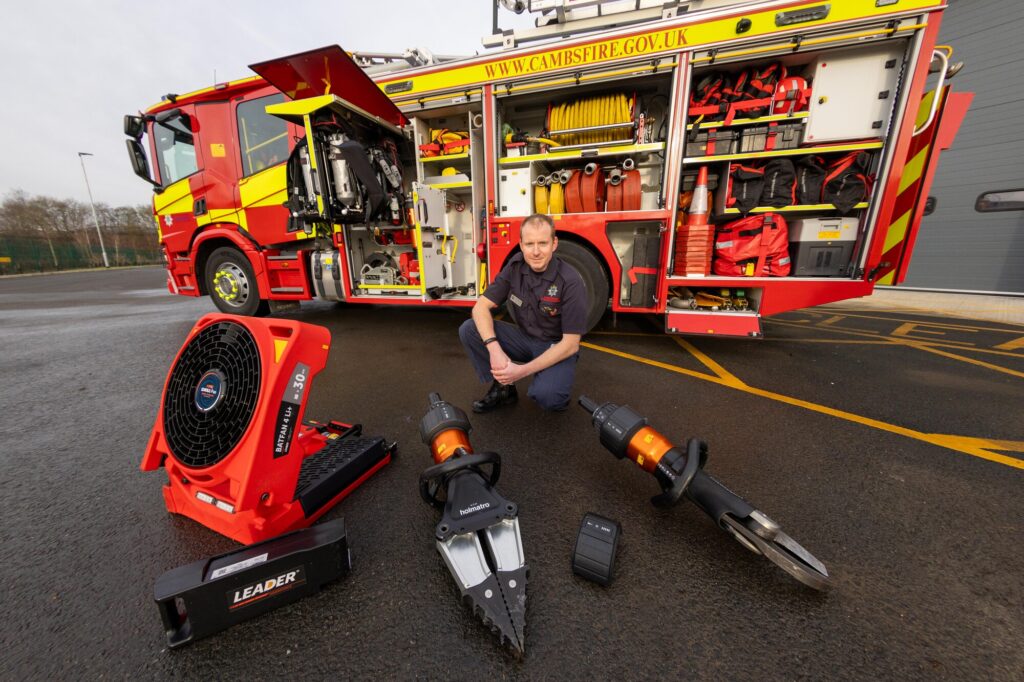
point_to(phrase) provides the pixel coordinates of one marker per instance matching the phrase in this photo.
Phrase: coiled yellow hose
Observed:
(594, 111)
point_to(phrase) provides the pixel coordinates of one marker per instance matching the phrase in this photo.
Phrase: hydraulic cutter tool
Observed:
(478, 535)
(680, 473)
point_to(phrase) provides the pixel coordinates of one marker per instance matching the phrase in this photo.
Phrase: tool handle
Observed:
(715, 499)
(588, 404)
(435, 479)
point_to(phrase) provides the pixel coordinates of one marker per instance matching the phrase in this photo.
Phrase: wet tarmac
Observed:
(889, 444)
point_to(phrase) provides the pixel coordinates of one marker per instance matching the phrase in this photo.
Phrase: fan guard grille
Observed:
(199, 438)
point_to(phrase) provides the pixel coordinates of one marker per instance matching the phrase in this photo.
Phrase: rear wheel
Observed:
(232, 283)
(593, 276)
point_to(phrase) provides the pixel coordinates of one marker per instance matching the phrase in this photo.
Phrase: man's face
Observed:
(538, 245)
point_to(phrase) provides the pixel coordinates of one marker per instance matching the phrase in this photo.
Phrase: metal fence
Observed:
(72, 250)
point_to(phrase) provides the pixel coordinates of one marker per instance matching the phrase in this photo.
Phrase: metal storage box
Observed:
(854, 91)
(822, 247)
(514, 192)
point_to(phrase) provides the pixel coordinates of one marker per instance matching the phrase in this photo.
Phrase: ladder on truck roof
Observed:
(564, 18)
(374, 63)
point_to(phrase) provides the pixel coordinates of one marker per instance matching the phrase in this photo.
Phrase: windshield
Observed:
(175, 149)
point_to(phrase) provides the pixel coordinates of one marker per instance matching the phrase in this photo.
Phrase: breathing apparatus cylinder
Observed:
(344, 184)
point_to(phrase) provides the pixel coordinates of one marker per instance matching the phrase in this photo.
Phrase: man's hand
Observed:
(510, 373)
(499, 361)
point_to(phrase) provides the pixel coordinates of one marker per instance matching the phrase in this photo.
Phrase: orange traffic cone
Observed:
(698, 213)
(695, 237)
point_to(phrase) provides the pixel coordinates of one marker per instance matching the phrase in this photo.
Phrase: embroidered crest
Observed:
(552, 290)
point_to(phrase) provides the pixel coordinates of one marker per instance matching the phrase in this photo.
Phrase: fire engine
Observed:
(711, 162)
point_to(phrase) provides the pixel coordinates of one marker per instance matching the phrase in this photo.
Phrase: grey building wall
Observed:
(957, 247)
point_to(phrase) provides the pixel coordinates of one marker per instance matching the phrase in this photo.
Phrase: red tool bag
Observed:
(755, 246)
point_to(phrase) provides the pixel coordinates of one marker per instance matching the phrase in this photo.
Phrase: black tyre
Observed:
(232, 283)
(593, 276)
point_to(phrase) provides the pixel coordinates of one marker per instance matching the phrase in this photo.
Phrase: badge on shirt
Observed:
(515, 299)
(551, 305)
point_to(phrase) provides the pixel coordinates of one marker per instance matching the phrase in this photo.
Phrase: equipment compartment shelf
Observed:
(800, 115)
(791, 209)
(444, 157)
(451, 185)
(587, 153)
(823, 149)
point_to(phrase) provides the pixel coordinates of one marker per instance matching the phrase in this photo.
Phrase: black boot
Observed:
(497, 396)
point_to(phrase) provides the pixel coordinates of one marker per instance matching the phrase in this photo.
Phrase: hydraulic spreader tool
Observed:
(680, 473)
(478, 534)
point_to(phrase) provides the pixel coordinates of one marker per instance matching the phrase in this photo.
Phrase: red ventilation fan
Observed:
(230, 434)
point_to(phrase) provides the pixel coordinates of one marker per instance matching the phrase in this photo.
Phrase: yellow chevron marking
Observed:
(913, 170)
(897, 231)
(279, 346)
(976, 447)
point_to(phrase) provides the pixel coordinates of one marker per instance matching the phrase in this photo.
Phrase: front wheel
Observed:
(593, 277)
(232, 283)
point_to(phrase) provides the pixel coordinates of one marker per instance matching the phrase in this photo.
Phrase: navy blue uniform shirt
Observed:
(546, 304)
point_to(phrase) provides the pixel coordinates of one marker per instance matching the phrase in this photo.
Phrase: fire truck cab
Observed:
(358, 178)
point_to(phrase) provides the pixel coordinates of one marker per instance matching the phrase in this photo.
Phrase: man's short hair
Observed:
(539, 218)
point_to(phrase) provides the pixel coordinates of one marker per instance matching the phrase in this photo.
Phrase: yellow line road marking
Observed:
(651, 334)
(940, 325)
(1012, 345)
(705, 360)
(852, 342)
(971, 446)
(931, 346)
(654, 363)
(981, 363)
(904, 331)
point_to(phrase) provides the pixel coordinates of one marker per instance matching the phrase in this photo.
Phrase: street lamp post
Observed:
(103, 250)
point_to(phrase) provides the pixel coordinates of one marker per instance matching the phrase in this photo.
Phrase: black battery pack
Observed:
(209, 595)
(596, 545)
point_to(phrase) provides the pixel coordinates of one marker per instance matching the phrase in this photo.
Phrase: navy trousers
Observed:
(551, 387)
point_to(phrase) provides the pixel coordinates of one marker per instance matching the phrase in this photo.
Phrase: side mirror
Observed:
(134, 126)
(139, 162)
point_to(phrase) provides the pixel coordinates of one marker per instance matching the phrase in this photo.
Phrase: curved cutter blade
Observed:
(783, 551)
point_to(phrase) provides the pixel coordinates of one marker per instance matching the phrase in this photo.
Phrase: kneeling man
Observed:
(548, 301)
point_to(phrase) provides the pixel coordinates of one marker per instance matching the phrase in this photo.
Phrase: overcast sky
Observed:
(70, 70)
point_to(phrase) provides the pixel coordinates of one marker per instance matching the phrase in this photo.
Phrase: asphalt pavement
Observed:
(890, 444)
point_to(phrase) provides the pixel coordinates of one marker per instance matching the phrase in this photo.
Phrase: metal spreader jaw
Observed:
(680, 474)
(478, 534)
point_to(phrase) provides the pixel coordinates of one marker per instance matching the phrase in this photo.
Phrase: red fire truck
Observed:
(712, 162)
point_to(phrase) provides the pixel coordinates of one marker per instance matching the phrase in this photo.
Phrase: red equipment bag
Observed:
(847, 182)
(709, 98)
(745, 186)
(757, 84)
(755, 246)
